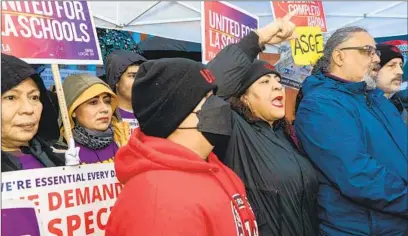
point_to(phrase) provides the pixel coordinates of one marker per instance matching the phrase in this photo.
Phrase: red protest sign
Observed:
(309, 13)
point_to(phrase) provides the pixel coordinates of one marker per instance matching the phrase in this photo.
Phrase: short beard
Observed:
(371, 82)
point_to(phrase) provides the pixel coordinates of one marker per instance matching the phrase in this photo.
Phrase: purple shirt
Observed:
(89, 156)
(19, 221)
(28, 161)
(129, 117)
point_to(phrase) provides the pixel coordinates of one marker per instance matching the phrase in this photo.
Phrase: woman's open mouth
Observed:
(278, 102)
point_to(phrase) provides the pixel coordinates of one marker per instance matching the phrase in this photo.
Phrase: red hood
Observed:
(145, 153)
(195, 193)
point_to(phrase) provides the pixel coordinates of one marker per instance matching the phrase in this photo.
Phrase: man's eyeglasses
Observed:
(369, 50)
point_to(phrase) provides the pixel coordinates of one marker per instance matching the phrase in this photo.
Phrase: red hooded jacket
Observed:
(169, 190)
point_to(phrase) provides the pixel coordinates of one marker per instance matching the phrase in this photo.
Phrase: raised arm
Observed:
(232, 63)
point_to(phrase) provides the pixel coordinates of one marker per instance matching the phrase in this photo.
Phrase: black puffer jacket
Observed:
(13, 72)
(280, 182)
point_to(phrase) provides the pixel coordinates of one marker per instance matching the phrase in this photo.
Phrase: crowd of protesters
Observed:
(206, 149)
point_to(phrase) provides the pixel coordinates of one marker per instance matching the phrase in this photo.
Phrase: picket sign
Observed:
(308, 47)
(70, 201)
(310, 21)
(216, 36)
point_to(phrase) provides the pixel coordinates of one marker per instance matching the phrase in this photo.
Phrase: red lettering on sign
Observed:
(82, 197)
(54, 205)
(96, 196)
(68, 198)
(73, 223)
(88, 223)
(98, 218)
(52, 229)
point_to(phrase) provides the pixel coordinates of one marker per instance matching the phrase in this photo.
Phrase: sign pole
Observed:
(64, 111)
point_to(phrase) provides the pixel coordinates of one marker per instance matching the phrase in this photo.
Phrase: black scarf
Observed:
(92, 139)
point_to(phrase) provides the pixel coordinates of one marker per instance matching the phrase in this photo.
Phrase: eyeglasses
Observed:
(369, 50)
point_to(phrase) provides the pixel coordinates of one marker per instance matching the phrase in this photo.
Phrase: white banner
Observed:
(71, 200)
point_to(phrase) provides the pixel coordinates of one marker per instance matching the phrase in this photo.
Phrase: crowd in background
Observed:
(206, 149)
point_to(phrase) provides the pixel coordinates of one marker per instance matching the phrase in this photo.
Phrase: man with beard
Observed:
(390, 74)
(390, 77)
(344, 125)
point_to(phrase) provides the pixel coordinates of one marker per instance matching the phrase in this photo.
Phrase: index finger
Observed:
(289, 15)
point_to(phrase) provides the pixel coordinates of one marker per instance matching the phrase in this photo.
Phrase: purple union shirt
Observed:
(130, 118)
(90, 156)
(28, 161)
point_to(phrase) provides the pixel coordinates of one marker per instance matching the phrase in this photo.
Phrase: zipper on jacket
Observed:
(248, 210)
(280, 218)
(302, 198)
(368, 99)
(370, 224)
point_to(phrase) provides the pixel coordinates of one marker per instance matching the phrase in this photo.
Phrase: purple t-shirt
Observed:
(129, 117)
(89, 156)
(28, 161)
(19, 221)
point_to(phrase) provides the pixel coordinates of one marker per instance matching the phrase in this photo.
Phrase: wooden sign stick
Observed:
(64, 112)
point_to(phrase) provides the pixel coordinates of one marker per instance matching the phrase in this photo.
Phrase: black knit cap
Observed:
(388, 52)
(13, 72)
(166, 91)
(257, 70)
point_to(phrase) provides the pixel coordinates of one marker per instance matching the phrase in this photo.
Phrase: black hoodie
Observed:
(13, 72)
(117, 63)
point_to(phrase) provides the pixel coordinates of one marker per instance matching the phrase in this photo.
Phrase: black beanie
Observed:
(388, 52)
(257, 70)
(166, 91)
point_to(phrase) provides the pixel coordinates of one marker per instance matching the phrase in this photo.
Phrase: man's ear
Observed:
(338, 57)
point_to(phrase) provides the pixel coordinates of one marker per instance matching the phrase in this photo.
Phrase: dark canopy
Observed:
(158, 47)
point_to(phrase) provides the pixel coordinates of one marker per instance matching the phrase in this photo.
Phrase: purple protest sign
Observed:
(49, 32)
(19, 218)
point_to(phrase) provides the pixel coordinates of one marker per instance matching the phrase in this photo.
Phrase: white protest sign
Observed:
(71, 200)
